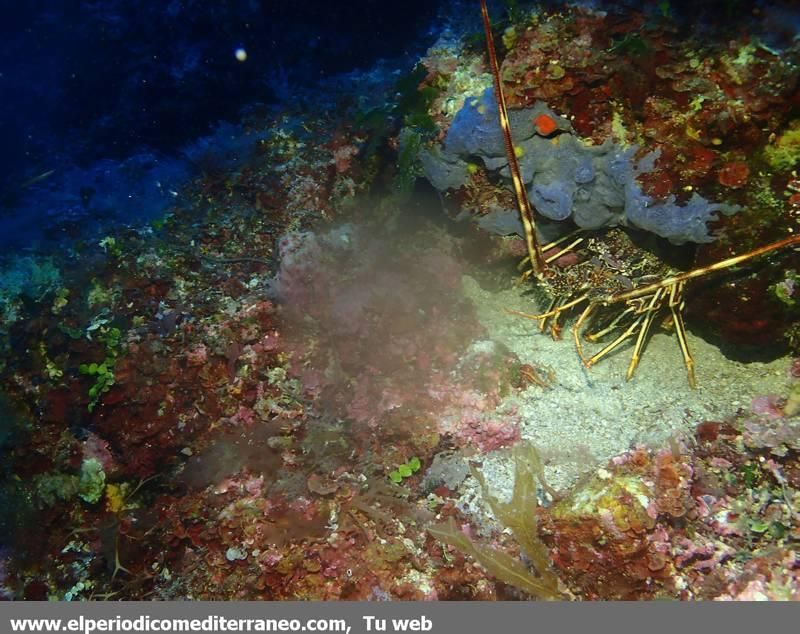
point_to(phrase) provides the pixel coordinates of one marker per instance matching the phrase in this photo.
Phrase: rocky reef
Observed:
(295, 383)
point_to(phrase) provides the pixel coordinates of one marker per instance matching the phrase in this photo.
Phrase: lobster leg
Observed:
(676, 306)
(564, 238)
(630, 330)
(559, 308)
(547, 247)
(594, 337)
(576, 328)
(644, 291)
(543, 322)
(566, 249)
(555, 327)
(651, 309)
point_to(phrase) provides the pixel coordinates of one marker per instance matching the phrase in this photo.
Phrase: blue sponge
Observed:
(593, 186)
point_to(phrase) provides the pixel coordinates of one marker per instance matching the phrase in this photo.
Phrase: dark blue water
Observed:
(102, 101)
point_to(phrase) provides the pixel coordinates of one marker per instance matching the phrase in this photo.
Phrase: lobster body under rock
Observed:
(620, 288)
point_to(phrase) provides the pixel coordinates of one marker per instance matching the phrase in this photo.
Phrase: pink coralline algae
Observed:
(243, 416)
(98, 449)
(468, 417)
(393, 314)
(768, 405)
(489, 435)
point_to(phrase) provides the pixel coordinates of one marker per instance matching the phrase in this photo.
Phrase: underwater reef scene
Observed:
(318, 350)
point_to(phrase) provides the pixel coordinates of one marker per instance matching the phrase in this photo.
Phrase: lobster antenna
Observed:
(523, 203)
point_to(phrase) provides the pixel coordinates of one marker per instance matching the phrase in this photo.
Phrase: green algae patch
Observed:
(784, 154)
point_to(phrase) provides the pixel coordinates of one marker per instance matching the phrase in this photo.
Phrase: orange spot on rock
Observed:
(733, 174)
(545, 124)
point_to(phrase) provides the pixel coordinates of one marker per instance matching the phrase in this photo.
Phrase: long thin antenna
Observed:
(523, 203)
(705, 270)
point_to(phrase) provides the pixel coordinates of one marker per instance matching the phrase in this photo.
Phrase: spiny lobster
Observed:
(624, 302)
